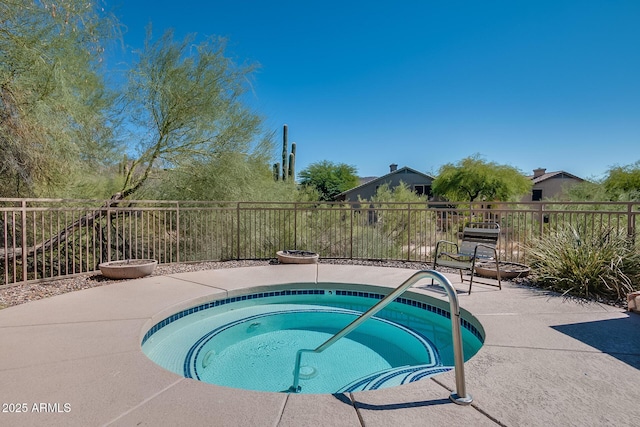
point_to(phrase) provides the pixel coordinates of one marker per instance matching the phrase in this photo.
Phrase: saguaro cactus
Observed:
(276, 171)
(285, 149)
(288, 170)
(292, 162)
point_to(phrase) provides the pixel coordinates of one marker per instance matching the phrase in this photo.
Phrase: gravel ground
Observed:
(19, 294)
(14, 295)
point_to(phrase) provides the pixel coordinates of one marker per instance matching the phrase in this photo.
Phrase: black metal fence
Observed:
(47, 238)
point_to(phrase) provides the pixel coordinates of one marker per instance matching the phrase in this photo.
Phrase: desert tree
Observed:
(52, 96)
(474, 179)
(185, 106)
(587, 191)
(226, 177)
(623, 182)
(329, 179)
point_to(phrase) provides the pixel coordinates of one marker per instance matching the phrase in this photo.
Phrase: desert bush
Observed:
(572, 261)
(395, 214)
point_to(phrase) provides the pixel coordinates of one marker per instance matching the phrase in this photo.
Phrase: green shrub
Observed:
(575, 262)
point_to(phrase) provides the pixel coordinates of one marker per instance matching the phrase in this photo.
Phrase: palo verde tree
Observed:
(227, 176)
(185, 108)
(329, 179)
(623, 182)
(473, 179)
(52, 97)
(587, 191)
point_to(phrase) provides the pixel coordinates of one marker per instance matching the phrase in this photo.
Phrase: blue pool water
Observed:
(251, 341)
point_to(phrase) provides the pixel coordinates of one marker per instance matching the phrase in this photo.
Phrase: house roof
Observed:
(549, 175)
(372, 180)
(364, 179)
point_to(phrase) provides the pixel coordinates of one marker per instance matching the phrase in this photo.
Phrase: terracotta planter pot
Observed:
(128, 268)
(508, 270)
(297, 257)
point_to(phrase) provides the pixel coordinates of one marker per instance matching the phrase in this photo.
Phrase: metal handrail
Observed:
(460, 395)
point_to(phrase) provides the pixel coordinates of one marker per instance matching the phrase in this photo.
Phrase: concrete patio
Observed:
(546, 361)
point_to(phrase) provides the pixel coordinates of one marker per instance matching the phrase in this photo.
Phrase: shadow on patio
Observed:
(619, 338)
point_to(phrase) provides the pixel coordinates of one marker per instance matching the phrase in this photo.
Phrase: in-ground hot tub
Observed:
(250, 341)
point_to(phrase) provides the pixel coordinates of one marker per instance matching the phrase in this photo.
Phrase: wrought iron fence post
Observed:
(408, 231)
(177, 232)
(351, 231)
(108, 231)
(24, 240)
(541, 218)
(295, 225)
(631, 222)
(238, 230)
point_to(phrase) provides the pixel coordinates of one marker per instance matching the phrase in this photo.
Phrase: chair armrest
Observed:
(446, 243)
(475, 256)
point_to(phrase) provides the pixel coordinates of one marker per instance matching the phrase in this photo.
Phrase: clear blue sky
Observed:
(538, 83)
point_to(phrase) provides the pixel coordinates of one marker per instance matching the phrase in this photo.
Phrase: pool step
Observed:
(394, 377)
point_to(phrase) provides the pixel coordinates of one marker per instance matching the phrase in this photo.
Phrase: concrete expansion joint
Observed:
(144, 402)
(473, 405)
(195, 282)
(355, 407)
(281, 412)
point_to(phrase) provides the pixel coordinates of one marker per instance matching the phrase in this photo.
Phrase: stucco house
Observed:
(547, 185)
(419, 182)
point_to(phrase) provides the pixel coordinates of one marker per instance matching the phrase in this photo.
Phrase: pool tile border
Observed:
(289, 292)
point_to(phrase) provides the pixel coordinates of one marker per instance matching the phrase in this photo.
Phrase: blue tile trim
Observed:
(413, 303)
(155, 328)
(418, 304)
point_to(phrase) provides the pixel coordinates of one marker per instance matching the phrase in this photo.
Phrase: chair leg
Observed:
(434, 268)
(471, 281)
(498, 275)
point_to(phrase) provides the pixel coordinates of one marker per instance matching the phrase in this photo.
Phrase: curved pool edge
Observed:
(413, 293)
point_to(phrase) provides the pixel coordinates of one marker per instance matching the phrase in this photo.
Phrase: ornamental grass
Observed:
(603, 265)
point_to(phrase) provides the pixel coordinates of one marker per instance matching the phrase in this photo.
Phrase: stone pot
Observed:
(297, 257)
(128, 268)
(508, 270)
